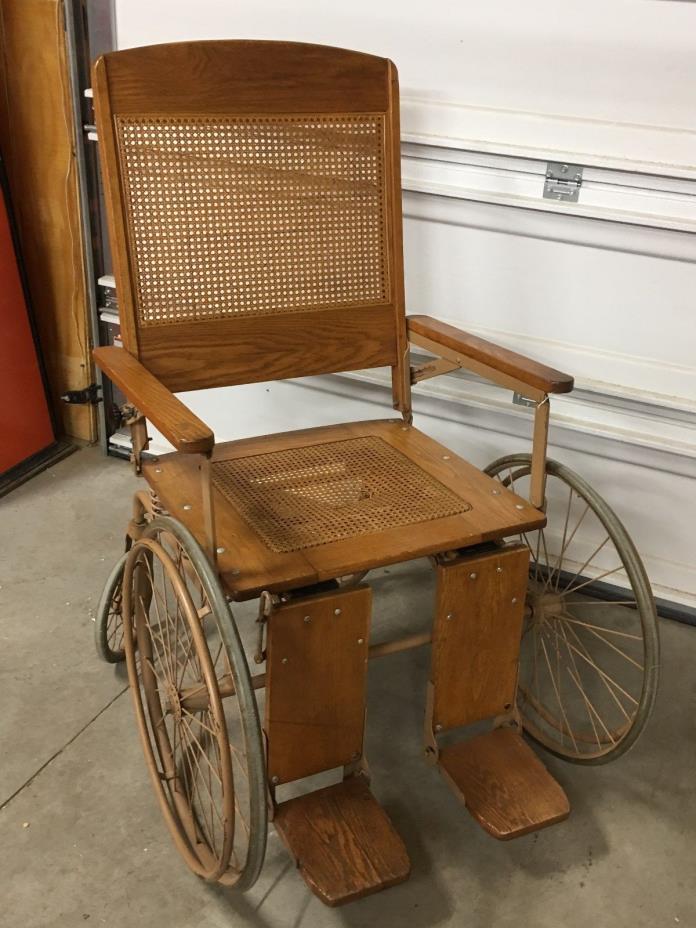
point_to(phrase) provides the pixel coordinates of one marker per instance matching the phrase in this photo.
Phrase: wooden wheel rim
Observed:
(552, 727)
(178, 814)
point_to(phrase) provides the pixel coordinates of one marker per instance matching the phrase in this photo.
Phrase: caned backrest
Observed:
(254, 204)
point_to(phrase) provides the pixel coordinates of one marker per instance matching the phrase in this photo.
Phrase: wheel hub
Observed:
(173, 700)
(544, 606)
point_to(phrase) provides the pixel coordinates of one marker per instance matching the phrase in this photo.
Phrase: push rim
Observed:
(108, 627)
(590, 649)
(205, 758)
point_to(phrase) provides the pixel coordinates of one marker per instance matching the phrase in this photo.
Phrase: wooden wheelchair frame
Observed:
(481, 581)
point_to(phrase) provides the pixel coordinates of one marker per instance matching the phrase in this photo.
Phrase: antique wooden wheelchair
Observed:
(253, 193)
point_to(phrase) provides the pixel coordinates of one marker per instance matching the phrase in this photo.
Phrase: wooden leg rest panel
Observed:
(343, 842)
(503, 784)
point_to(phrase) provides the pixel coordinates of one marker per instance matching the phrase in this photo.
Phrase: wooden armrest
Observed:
(477, 349)
(158, 404)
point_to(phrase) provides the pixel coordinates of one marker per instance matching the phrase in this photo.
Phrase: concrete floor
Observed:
(82, 841)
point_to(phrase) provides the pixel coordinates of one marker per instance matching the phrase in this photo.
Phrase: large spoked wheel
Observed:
(590, 649)
(108, 628)
(205, 755)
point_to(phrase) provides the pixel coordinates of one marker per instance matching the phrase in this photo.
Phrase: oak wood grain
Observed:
(245, 76)
(316, 673)
(158, 404)
(476, 635)
(195, 355)
(249, 566)
(503, 784)
(343, 841)
(478, 349)
(254, 78)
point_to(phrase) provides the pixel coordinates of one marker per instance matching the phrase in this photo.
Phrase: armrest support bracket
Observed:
(456, 349)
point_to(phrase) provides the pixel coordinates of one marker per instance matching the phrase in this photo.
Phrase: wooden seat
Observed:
(306, 506)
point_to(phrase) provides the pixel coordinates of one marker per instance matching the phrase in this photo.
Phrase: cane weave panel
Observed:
(298, 498)
(247, 216)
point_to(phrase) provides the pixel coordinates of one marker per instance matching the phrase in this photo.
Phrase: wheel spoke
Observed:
(576, 679)
(607, 573)
(558, 695)
(601, 628)
(559, 562)
(593, 631)
(608, 681)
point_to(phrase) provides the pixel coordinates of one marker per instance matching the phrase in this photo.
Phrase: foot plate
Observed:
(503, 784)
(343, 842)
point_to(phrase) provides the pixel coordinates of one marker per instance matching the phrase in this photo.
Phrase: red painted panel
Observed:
(25, 423)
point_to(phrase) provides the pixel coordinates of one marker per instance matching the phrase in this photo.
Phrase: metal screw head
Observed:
(361, 641)
(445, 457)
(337, 611)
(275, 781)
(220, 550)
(495, 492)
(519, 506)
(438, 728)
(188, 506)
(473, 575)
(307, 620)
(449, 616)
(499, 570)
(158, 470)
(284, 660)
(514, 600)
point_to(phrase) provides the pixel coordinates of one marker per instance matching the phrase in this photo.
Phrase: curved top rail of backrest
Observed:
(254, 203)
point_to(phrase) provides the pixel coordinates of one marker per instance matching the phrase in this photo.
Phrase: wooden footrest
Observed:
(503, 784)
(343, 842)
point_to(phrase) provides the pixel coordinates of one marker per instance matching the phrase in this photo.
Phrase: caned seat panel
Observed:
(299, 498)
(307, 506)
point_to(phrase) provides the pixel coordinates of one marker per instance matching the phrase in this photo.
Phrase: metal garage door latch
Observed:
(88, 396)
(562, 181)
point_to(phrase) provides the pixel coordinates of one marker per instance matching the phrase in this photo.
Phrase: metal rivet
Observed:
(361, 641)
(445, 457)
(438, 728)
(449, 616)
(220, 550)
(499, 570)
(514, 600)
(187, 506)
(337, 611)
(307, 620)
(158, 470)
(495, 492)
(473, 575)
(519, 506)
(284, 660)
(275, 780)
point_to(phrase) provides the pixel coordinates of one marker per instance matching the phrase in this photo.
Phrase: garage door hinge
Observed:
(88, 396)
(562, 181)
